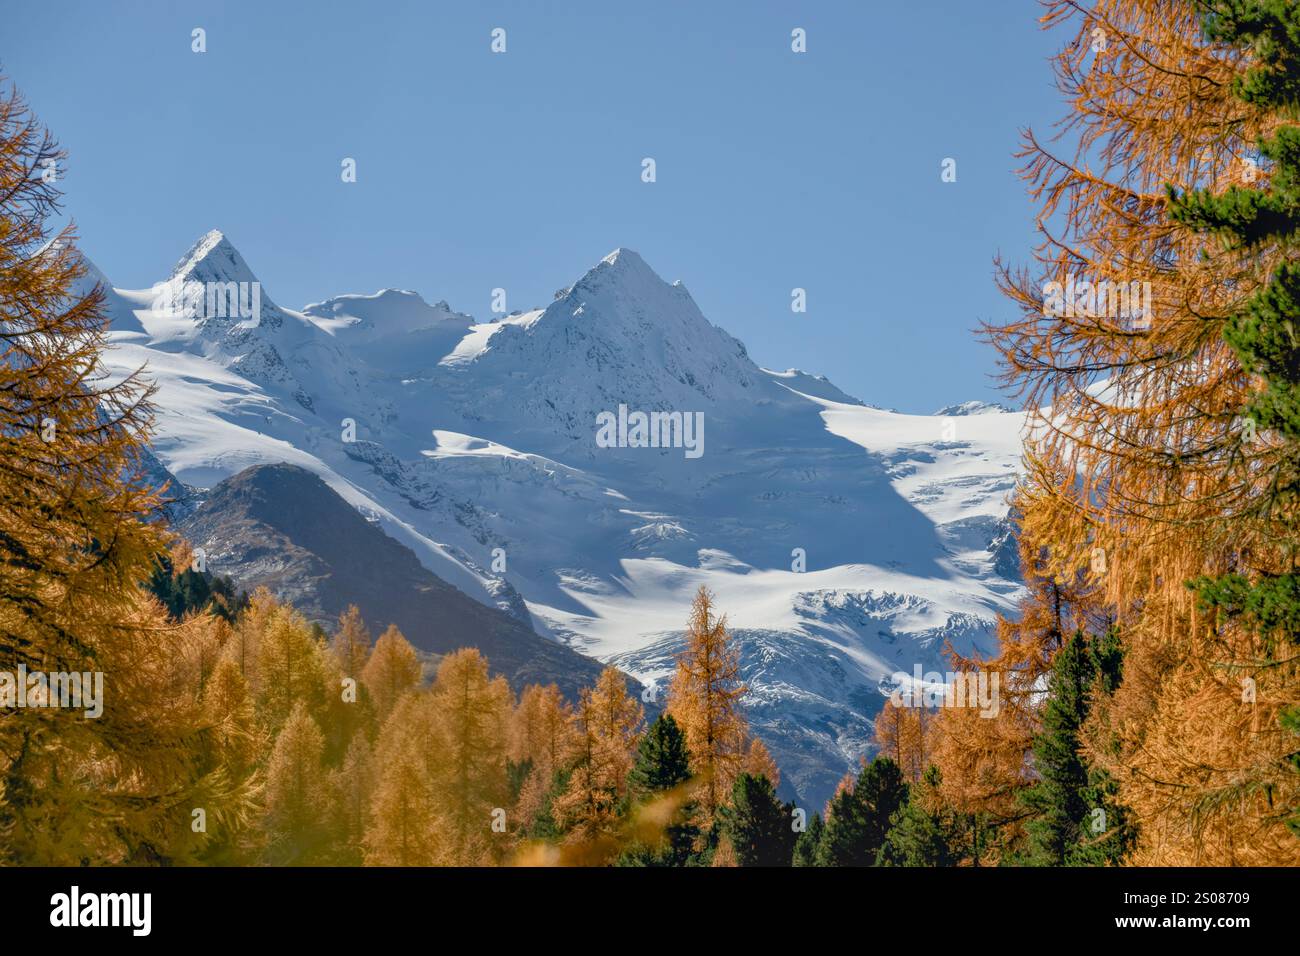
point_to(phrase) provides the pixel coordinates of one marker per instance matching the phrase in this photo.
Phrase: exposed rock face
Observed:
(282, 527)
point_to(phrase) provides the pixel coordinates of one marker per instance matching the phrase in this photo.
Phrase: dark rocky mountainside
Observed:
(282, 527)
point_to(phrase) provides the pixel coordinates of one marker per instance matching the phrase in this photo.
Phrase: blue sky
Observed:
(476, 170)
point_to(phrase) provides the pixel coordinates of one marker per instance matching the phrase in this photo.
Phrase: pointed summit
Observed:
(213, 282)
(626, 275)
(625, 263)
(628, 257)
(213, 259)
(620, 335)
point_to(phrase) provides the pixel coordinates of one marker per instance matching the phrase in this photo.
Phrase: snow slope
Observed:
(472, 436)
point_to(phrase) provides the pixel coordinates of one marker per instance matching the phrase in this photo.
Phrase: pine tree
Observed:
(662, 759)
(1261, 330)
(807, 848)
(924, 832)
(1057, 799)
(1165, 456)
(859, 816)
(759, 825)
(184, 591)
(663, 808)
(704, 698)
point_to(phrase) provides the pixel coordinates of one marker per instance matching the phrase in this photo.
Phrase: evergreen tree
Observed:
(662, 760)
(807, 848)
(925, 832)
(658, 788)
(1262, 331)
(1164, 427)
(1077, 818)
(859, 815)
(184, 591)
(758, 825)
(1057, 799)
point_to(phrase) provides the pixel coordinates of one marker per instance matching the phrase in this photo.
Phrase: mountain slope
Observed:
(282, 527)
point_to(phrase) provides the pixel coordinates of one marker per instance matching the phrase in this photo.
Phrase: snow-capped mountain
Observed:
(844, 542)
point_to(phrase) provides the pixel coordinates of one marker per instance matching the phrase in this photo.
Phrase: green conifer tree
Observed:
(663, 765)
(758, 824)
(808, 845)
(859, 816)
(924, 832)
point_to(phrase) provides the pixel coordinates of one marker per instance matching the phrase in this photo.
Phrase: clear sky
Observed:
(520, 170)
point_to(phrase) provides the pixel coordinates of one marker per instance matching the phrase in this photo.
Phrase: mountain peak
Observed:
(623, 266)
(628, 257)
(213, 259)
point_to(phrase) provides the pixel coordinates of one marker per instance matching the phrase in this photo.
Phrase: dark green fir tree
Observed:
(859, 816)
(760, 827)
(663, 765)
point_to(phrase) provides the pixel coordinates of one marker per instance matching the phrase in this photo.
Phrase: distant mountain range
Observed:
(845, 542)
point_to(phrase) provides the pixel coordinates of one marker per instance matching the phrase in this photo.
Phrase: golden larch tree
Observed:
(470, 719)
(392, 670)
(705, 700)
(404, 813)
(606, 727)
(79, 532)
